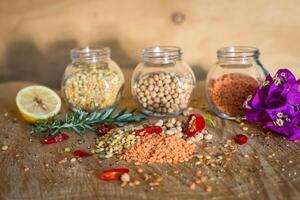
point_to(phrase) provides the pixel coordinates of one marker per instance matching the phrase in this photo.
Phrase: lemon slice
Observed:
(37, 103)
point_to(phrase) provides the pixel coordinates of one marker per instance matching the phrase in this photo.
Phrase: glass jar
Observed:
(163, 83)
(93, 81)
(235, 76)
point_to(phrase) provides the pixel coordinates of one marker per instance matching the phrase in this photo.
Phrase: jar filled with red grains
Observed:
(163, 83)
(235, 76)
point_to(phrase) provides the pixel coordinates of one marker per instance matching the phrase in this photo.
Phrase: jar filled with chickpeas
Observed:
(93, 81)
(163, 83)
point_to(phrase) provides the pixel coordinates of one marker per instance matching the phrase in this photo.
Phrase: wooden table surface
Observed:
(267, 167)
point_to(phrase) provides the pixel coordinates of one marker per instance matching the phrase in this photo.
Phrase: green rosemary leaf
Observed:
(98, 115)
(112, 111)
(106, 114)
(133, 110)
(93, 115)
(210, 120)
(120, 113)
(124, 116)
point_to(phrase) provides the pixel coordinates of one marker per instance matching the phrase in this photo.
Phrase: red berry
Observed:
(103, 129)
(82, 153)
(148, 131)
(112, 174)
(55, 138)
(241, 139)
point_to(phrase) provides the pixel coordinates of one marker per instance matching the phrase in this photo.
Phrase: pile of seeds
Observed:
(159, 149)
(118, 140)
(175, 127)
(164, 93)
(94, 89)
(171, 126)
(115, 141)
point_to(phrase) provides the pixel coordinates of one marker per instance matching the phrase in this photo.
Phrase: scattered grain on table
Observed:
(159, 149)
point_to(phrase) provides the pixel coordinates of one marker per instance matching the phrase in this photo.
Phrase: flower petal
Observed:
(276, 105)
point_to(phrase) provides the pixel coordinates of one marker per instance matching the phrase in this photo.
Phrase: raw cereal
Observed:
(159, 149)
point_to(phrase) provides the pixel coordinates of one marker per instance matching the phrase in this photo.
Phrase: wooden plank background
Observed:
(267, 167)
(36, 36)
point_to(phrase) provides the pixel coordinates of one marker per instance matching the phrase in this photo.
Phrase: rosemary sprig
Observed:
(79, 121)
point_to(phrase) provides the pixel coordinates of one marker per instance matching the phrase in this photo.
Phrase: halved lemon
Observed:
(37, 103)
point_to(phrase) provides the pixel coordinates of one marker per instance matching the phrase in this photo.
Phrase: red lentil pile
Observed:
(229, 92)
(159, 149)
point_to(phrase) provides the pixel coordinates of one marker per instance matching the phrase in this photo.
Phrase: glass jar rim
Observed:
(161, 51)
(238, 52)
(87, 52)
(161, 54)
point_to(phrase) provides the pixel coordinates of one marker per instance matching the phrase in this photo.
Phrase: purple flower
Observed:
(276, 104)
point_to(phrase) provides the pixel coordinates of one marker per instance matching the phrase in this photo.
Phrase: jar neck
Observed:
(90, 56)
(161, 55)
(242, 54)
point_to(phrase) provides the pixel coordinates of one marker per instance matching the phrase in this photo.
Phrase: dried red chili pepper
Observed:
(55, 138)
(82, 153)
(112, 174)
(195, 124)
(103, 129)
(148, 131)
(241, 139)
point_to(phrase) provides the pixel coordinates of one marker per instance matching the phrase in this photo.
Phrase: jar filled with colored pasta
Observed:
(93, 81)
(162, 83)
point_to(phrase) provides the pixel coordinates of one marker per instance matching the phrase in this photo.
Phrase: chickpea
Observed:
(159, 83)
(164, 93)
(161, 76)
(151, 80)
(153, 94)
(151, 87)
(167, 81)
(169, 97)
(141, 94)
(156, 100)
(160, 94)
(170, 110)
(150, 102)
(164, 100)
(167, 87)
(143, 88)
(168, 105)
(161, 89)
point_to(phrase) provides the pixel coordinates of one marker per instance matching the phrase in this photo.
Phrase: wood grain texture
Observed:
(243, 178)
(36, 36)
